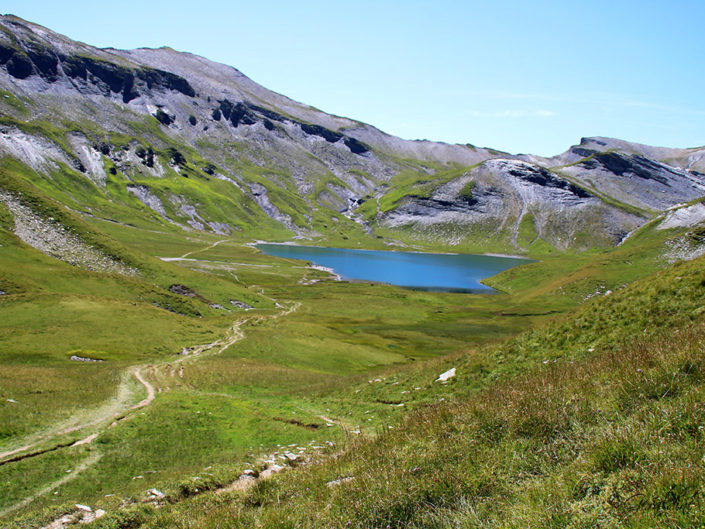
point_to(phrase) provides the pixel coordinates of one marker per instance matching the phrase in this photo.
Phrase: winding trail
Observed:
(204, 249)
(118, 409)
(150, 391)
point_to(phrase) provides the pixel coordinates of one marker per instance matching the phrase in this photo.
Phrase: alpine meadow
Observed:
(158, 369)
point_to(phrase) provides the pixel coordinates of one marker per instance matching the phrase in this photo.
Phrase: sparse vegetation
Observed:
(466, 191)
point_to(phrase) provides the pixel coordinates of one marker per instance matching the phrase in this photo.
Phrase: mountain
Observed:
(158, 370)
(179, 141)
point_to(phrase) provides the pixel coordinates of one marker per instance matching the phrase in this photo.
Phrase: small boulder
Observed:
(163, 117)
(77, 358)
(444, 377)
(271, 470)
(240, 304)
(340, 481)
(182, 290)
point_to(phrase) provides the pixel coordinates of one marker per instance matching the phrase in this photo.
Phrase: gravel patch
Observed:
(52, 238)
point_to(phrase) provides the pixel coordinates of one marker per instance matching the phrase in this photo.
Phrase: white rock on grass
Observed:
(92, 516)
(340, 481)
(272, 469)
(444, 377)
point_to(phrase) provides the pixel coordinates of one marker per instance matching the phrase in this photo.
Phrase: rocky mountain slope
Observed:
(179, 141)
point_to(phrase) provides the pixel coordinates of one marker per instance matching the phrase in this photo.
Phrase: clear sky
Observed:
(522, 76)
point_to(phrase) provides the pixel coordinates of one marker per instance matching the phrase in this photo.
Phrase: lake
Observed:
(424, 271)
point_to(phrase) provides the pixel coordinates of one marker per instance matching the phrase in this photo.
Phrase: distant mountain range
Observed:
(169, 138)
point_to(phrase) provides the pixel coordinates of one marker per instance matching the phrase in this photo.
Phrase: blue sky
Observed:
(522, 76)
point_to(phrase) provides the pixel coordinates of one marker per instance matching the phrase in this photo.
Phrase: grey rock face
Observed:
(259, 192)
(175, 104)
(148, 198)
(240, 304)
(504, 192)
(635, 179)
(35, 151)
(91, 159)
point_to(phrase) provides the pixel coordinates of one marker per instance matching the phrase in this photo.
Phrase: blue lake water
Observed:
(426, 271)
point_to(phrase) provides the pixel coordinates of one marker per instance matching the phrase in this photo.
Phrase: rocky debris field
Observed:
(52, 238)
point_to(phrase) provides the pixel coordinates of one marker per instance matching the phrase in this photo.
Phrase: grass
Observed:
(360, 362)
(313, 345)
(528, 233)
(12, 103)
(546, 414)
(260, 380)
(563, 437)
(466, 191)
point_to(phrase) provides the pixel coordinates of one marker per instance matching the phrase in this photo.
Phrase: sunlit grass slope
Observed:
(593, 421)
(363, 355)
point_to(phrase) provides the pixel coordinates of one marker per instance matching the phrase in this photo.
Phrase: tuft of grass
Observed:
(467, 190)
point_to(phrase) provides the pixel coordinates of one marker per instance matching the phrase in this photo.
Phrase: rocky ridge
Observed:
(127, 119)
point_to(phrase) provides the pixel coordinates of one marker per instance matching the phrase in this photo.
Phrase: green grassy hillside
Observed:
(159, 369)
(592, 421)
(192, 389)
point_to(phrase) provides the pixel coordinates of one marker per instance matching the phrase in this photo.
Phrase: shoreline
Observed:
(294, 243)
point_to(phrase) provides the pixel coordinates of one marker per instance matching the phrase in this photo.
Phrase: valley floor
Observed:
(157, 370)
(189, 411)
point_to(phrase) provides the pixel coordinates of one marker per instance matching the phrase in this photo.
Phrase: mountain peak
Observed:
(186, 116)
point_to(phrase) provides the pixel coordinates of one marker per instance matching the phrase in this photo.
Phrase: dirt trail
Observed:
(113, 410)
(84, 419)
(89, 462)
(150, 391)
(204, 249)
(87, 440)
(3, 455)
(117, 409)
(329, 420)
